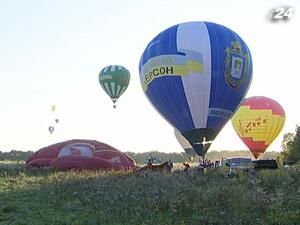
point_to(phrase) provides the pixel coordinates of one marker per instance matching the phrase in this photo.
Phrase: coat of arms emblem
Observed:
(236, 65)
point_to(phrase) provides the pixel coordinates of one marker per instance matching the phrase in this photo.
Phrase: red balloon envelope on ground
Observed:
(81, 154)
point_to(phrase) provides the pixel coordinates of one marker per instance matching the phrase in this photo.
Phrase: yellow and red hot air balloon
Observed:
(258, 122)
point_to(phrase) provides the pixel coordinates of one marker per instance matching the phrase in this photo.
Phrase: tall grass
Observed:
(41, 197)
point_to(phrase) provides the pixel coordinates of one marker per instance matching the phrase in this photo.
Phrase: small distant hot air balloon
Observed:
(196, 74)
(51, 129)
(56, 120)
(114, 80)
(258, 122)
(53, 107)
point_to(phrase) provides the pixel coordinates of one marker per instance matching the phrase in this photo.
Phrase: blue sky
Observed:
(52, 51)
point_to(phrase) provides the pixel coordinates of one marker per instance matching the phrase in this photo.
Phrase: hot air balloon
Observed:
(185, 144)
(81, 154)
(51, 129)
(114, 80)
(258, 121)
(53, 107)
(56, 120)
(196, 74)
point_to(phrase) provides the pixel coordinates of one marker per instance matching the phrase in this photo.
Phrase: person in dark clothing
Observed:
(170, 165)
(150, 160)
(186, 168)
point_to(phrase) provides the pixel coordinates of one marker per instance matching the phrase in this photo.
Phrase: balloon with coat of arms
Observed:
(195, 74)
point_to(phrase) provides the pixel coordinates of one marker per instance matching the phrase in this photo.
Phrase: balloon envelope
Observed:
(53, 107)
(114, 80)
(195, 74)
(51, 129)
(81, 154)
(188, 148)
(258, 121)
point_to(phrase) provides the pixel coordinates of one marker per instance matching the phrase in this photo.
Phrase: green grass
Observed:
(42, 197)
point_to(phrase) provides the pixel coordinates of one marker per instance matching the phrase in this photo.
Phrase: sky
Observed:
(51, 52)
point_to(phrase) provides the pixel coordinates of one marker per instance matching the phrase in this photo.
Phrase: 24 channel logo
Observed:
(282, 13)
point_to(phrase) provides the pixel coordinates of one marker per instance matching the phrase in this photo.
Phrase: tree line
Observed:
(15, 155)
(141, 157)
(290, 151)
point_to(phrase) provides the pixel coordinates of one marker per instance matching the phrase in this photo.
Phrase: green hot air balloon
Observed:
(114, 80)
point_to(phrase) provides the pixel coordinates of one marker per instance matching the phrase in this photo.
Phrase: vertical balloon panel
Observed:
(230, 80)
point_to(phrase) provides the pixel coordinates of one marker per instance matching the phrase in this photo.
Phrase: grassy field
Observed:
(42, 197)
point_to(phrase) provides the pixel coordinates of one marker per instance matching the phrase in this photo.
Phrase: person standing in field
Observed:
(186, 168)
(150, 160)
(170, 166)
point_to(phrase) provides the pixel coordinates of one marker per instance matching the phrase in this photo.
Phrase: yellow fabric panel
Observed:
(191, 66)
(260, 125)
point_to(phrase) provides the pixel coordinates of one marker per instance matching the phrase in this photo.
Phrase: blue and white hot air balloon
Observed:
(196, 74)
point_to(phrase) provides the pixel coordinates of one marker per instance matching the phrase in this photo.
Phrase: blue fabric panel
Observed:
(222, 95)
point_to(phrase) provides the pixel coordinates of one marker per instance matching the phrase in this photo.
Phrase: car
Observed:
(265, 164)
(237, 165)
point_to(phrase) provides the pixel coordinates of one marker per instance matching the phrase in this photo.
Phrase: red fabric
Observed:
(258, 146)
(80, 162)
(111, 154)
(102, 156)
(264, 103)
(39, 162)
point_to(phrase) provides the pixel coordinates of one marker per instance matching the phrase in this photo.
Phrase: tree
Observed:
(286, 145)
(295, 150)
(291, 146)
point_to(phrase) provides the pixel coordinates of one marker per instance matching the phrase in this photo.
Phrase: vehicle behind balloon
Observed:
(237, 165)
